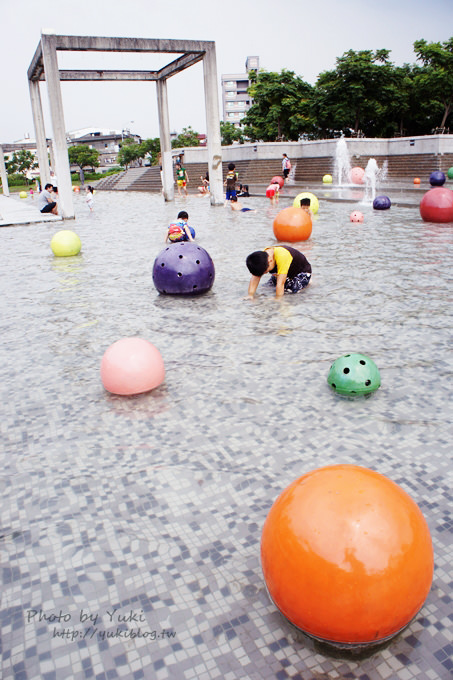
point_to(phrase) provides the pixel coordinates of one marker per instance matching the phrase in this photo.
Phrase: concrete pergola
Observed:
(44, 66)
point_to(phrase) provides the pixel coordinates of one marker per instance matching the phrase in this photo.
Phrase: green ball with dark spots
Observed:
(354, 374)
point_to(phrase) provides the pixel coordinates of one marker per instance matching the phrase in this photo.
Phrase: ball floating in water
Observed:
(292, 224)
(327, 179)
(437, 178)
(132, 366)
(314, 203)
(416, 180)
(356, 216)
(278, 180)
(450, 173)
(183, 268)
(76, 188)
(65, 243)
(357, 175)
(347, 556)
(382, 203)
(437, 205)
(23, 194)
(354, 374)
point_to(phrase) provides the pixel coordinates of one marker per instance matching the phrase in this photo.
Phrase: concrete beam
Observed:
(165, 142)
(213, 127)
(40, 133)
(60, 148)
(3, 173)
(179, 65)
(107, 75)
(73, 43)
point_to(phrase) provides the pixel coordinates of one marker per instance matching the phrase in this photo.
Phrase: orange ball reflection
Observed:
(347, 555)
(292, 224)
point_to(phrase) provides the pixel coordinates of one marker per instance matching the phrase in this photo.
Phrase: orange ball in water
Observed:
(292, 224)
(347, 556)
(416, 180)
(132, 366)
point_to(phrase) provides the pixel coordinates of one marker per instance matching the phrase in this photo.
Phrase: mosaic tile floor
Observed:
(131, 526)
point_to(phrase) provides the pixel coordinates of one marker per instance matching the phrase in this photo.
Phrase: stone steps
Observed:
(404, 167)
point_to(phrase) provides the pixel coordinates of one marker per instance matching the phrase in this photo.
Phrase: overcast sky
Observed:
(303, 36)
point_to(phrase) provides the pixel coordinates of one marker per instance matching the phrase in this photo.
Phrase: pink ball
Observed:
(356, 216)
(356, 175)
(437, 205)
(278, 180)
(132, 366)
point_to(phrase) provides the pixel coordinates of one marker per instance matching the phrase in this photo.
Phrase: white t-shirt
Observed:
(44, 198)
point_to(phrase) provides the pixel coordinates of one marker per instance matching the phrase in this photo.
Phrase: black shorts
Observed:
(49, 207)
(285, 173)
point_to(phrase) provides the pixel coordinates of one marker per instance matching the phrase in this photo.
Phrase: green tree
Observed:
(229, 133)
(83, 156)
(437, 77)
(130, 151)
(355, 95)
(151, 148)
(187, 137)
(281, 108)
(20, 163)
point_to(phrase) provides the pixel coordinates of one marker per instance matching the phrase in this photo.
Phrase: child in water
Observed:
(235, 205)
(89, 197)
(290, 269)
(305, 205)
(180, 230)
(272, 192)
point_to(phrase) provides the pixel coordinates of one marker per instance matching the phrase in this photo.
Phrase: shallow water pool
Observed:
(144, 514)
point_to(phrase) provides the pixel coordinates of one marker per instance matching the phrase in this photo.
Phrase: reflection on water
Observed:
(245, 401)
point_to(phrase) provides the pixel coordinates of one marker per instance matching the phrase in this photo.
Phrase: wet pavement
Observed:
(131, 525)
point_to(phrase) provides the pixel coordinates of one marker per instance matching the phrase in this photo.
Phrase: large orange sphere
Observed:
(292, 224)
(347, 555)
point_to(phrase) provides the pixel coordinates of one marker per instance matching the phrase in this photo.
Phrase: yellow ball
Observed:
(23, 194)
(314, 203)
(327, 179)
(65, 243)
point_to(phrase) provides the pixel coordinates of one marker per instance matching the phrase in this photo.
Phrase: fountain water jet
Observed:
(373, 176)
(342, 165)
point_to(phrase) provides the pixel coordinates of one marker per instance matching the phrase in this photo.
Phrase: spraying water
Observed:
(373, 177)
(342, 166)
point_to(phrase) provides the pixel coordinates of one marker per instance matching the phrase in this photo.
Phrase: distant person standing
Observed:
(230, 181)
(286, 166)
(89, 197)
(181, 178)
(46, 204)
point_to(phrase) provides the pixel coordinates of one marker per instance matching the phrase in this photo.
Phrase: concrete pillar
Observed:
(3, 173)
(165, 143)
(213, 126)
(62, 167)
(40, 132)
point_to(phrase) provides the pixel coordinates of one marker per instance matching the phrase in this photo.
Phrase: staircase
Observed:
(256, 172)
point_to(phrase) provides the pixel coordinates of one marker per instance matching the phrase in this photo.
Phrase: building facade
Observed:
(235, 99)
(106, 142)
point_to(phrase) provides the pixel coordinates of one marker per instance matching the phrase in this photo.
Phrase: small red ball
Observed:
(437, 205)
(278, 180)
(356, 216)
(416, 180)
(292, 224)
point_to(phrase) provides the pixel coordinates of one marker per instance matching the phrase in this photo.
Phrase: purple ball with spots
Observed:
(437, 178)
(183, 268)
(382, 203)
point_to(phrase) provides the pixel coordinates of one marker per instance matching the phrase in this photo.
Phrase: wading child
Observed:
(180, 230)
(305, 205)
(289, 268)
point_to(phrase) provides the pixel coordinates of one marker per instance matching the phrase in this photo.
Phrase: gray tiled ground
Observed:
(131, 526)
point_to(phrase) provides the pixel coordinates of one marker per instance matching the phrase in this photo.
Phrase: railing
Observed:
(440, 131)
